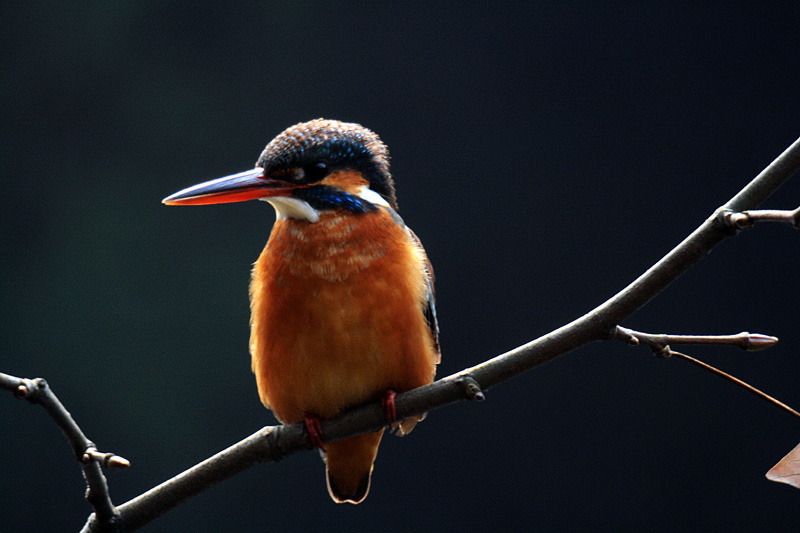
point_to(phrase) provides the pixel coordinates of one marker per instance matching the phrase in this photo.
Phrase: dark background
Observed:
(545, 156)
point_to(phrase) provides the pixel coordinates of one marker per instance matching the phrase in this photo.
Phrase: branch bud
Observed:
(757, 341)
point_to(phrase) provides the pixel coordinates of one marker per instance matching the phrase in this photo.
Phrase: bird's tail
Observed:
(349, 466)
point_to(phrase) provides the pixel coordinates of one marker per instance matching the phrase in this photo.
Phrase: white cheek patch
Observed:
(295, 208)
(371, 196)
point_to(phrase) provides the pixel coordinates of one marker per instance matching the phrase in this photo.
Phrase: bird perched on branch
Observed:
(342, 296)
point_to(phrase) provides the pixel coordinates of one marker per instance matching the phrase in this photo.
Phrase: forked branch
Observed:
(37, 391)
(660, 346)
(272, 443)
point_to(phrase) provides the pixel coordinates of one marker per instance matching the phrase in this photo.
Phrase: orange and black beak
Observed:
(247, 185)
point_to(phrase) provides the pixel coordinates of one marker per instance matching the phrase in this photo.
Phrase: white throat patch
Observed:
(286, 208)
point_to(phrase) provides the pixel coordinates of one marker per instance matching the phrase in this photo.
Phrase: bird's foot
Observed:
(388, 405)
(314, 430)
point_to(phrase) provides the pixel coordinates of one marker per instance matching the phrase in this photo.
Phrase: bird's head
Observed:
(310, 167)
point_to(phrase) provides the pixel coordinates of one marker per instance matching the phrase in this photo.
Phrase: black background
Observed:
(546, 156)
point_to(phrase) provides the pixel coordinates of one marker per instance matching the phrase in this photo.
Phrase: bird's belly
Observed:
(327, 335)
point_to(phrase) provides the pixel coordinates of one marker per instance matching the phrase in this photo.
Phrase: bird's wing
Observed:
(429, 304)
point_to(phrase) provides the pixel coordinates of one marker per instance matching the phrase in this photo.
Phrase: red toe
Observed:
(314, 430)
(388, 405)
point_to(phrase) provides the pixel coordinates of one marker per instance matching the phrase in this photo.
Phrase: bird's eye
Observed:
(316, 170)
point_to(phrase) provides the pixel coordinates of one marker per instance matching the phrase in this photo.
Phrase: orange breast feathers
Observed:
(338, 314)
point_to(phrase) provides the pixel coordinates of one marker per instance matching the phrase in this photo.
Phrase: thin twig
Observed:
(37, 391)
(659, 345)
(739, 382)
(746, 219)
(744, 340)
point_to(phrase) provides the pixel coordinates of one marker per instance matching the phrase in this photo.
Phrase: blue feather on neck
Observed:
(322, 197)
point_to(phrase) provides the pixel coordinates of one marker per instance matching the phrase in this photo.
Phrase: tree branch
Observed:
(659, 345)
(746, 219)
(38, 391)
(750, 342)
(272, 443)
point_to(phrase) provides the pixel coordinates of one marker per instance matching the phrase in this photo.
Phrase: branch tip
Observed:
(757, 341)
(109, 460)
(115, 462)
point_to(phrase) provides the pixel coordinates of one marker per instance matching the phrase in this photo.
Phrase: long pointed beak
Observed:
(247, 185)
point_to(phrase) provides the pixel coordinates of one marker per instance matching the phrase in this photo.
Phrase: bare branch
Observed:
(659, 345)
(272, 443)
(744, 340)
(746, 219)
(37, 391)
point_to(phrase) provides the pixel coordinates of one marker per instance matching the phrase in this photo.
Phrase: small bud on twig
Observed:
(108, 460)
(746, 219)
(759, 342)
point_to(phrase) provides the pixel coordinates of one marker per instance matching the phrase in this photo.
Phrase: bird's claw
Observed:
(388, 405)
(314, 430)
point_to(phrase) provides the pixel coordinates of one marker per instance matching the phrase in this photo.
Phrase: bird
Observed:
(342, 299)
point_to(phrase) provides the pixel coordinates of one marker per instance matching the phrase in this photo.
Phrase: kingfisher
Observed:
(341, 298)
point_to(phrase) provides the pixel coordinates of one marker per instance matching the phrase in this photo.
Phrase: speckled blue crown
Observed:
(340, 144)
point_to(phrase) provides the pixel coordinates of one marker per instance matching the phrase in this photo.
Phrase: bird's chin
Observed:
(292, 208)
